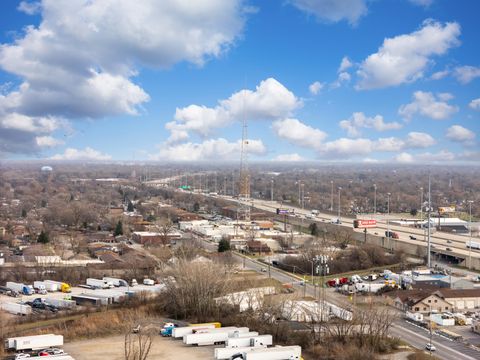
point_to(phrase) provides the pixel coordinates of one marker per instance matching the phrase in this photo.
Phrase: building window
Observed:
(417, 309)
(446, 307)
(435, 301)
(429, 301)
(424, 309)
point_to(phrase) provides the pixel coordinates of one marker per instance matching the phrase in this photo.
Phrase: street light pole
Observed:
(421, 203)
(271, 190)
(331, 200)
(388, 219)
(470, 236)
(339, 189)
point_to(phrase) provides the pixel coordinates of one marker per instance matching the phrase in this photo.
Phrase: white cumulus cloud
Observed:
(270, 100)
(87, 154)
(359, 120)
(288, 157)
(333, 10)
(404, 58)
(419, 140)
(465, 74)
(424, 3)
(429, 105)
(315, 87)
(345, 64)
(298, 133)
(475, 104)
(48, 141)
(212, 149)
(460, 134)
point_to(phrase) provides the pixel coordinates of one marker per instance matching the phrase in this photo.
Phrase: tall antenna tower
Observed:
(244, 189)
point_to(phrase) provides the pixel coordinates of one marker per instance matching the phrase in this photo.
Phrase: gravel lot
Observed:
(112, 348)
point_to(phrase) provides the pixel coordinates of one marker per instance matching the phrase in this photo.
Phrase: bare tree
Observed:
(137, 346)
(165, 228)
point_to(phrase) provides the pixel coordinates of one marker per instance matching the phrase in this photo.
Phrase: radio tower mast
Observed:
(244, 193)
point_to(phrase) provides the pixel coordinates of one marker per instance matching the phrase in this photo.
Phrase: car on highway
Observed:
(412, 237)
(448, 249)
(264, 270)
(449, 241)
(430, 347)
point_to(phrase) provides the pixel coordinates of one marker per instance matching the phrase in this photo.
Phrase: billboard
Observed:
(446, 209)
(363, 224)
(282, 211)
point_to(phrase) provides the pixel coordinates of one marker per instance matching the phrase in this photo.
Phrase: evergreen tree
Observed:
(118, 229)
(43, 238)
(224, 245)
(313, 227)
(24, 213)
(130, 207)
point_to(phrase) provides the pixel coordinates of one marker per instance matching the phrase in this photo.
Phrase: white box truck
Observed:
(214, 337)
(255, 341)
(37, 342)
(227, 353)
(16, 309)
(98, 284)
(116, 282)
(180, 332)
(274, 353)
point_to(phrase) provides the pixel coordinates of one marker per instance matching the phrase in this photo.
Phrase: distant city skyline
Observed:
(394, 82)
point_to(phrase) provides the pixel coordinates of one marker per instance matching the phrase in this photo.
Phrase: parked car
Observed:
(54, 351)
(21, 356)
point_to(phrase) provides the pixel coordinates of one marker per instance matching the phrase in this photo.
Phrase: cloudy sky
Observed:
(172, 80)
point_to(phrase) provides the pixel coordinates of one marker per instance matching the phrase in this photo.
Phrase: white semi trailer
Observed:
(37, 342)
(180, 332)
(10, 342)
(115, 281)
(215, 337)
(255, 341)
(98, 284)
(16, 309)
(227, 353)
(274, 353)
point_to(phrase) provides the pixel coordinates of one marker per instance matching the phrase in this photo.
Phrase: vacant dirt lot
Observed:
(112, 348)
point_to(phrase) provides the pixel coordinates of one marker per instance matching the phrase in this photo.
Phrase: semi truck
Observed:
(274, 353)
(216, 336)
(254, 341)
(391, 234)
(40, 287)
(473, 245)
(116, 282)
(16, 309)
(61, 286)
(20, 288)
(99, 284)
(36, 342)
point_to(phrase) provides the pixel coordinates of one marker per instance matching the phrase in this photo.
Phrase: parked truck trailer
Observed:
(215, 336)
(36, 342)
(98, 283)
(16, 309)
(180, 332)
(274, 353)
(254, 341)
(115, 281)
(229, 353)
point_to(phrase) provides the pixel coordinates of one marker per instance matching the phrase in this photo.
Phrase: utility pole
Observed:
(388, 219)
(331, 199)
(429, 230)
(470, 236)
(421, 203)
(374, 199)
(225, 185)
(271, 190)
(339, 204)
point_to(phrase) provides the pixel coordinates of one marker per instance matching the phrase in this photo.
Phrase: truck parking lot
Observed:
(112, 348)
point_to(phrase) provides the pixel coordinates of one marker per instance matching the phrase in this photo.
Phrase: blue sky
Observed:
(353, 80)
